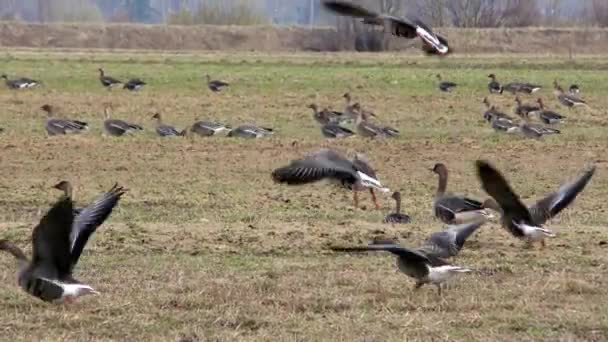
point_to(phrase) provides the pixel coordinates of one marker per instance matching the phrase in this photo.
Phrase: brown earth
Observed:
(271, 38)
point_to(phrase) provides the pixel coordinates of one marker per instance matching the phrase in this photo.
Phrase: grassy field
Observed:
(205, 247)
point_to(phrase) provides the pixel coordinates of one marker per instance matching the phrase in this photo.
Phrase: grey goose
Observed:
(206, 128)
(165, 130)
(524, 109)
(520, 87)
(134, 84)
(568, 100)
(58, 241)
(527, 222)
(494, 86)
(493, 113)
(325, 116)
(408, 27)
(215, 85)
(532, 131)
(116, 127)
(20, 83)
(334, 131)
(397, 217)
(57, 126)
(548, 117)
(450, 241)
(453, 208)
(425, 269)
(502, 125)
(108, 81)
(445, 86)
(250, 132)
(326, 164)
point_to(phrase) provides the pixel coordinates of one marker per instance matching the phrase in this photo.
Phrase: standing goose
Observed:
(567, 100)
(408, 27)
(20, 83)
(134, 84)
(456, 208)
(355, 175)
(493, 113)
(208, 128)
(494, 86)
(448, 242)
(215, 85)
(364, 127)
(349, 115)
(397, 217)
(334, 130)
(250, 132)
(424, 268)
(325, 116)
(58, 241)
(56, 126)
(164, 130)
(116, 127)
(522, 109)
(107, 81)
(445, 86)
(387, 131)
(549, 117)
(527, 222)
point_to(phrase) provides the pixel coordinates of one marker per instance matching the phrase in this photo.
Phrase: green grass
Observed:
(205, 247)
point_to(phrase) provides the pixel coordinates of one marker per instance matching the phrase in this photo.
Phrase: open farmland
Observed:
(205, 247)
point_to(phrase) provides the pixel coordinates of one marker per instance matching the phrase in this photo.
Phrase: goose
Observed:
(334, 130)
(325, 116)
(208, 128)
(424, 268)
(533, 131)
(456, 208)
(493, 113)
(502, 124)
(494, 86)
(366, 128)
(355, 175)
(164, 130)
(527, 222)
(450, 241)
(397, 217)
(574, 89)
(108, 81)
(20, 83)
(56, 126)
(519, 87)
(58, 241)
(408, 27)
(567, 100)
(547, 116)
(116, 127)
(250, 132)
(383, 130)
(349, 115)
(445, 86)
(215, 85)
(134, 84)
(523, 110)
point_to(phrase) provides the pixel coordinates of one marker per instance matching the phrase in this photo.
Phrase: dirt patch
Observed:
(270, 38)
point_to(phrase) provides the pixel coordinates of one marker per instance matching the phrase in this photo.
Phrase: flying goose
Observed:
(107, 81)
(456, 208)
(493, 113)
(408, 27)
(494, 86)
(424, 268)
(448, 242)
(208, 128)
(519, 87)
(445, 86)
(164, 130)
(20, 83)
(522, 109)
(574, 89)
(334, 130)
(215, 85)
(134, 84)
(547, 116)
(116, 127)
(250, 132)
(567, 100)
(58, 241)
(355, 175)
(397, 217)
(527, 222)
(56, 126)
(533, 131)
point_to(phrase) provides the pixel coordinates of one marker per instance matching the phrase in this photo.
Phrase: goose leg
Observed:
(439, 289)
(418, 285)
(371, 191)
(356, 198)
(543, 244)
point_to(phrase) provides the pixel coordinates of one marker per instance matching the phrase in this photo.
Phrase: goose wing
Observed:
(552, 204)
(416, 260)
(307, 171)
(90, 218)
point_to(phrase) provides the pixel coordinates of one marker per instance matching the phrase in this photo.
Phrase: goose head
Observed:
(64, 186)
(396, 196)
(440, 169)
(492, 77)
(313, 107)
(347, 97)
(4, 76)
(101, 73)
(157, 117)
(48, 109)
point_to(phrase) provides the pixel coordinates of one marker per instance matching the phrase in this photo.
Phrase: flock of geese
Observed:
(61, 235)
